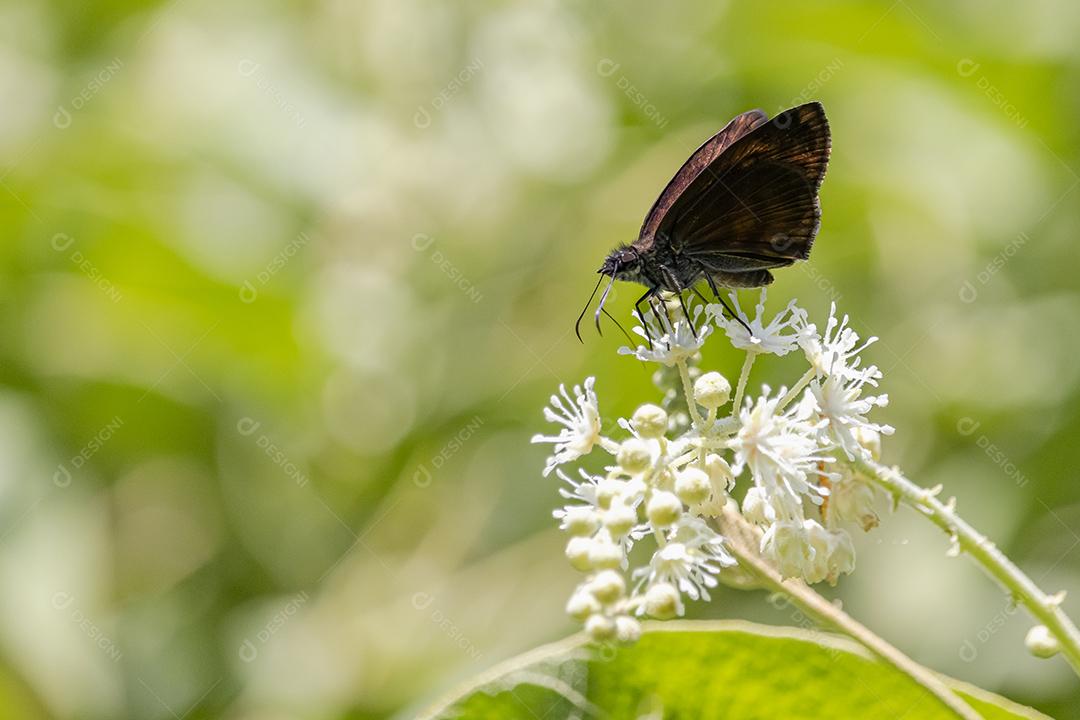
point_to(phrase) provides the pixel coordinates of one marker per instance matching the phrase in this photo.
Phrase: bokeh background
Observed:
(284, 287)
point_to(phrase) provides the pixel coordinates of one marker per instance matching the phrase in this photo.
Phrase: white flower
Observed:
(770, 338)
(690, 560)
(809, 551)
(782, 452)
(580, 417)
(837, 351)
(851, 499)
(663, 601)
(840, 401)
(672, 342)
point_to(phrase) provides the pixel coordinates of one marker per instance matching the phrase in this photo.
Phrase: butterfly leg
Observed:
(712, 286)
(673, 281)
(637, 306)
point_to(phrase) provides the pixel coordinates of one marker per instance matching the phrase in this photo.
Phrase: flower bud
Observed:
(869, 439)
(608, 586)
(692, 486)
(619, 519)
(712, 390)
(605, 554)
(841, 556)
(650, 421)
(580, 520)
(1041, 643)
(662, 601)
(581, 605)
(664, 508)
(600, 627)
(634, 456)
(578, 550)
(852, 500)
(627, 629)
(756, 507)
(606, 490)
(719, 472)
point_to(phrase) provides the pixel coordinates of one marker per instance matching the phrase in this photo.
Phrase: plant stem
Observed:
(688, 391)
(796, 389)
(743, 542)
(744, 377)
(1022, 588)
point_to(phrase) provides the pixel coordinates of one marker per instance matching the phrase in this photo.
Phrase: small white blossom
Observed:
(627, 629)
(650, 421)
(1041, 643)
(851, 499)
(779, 337)
(782, 451)
(580, 418)
(712, 390)
(808, 550)
(840, 401)
(600, 627)
(673, 340)
(691, 559)
(836, 352)
(634, 456)
(663, 509)
(663, 601)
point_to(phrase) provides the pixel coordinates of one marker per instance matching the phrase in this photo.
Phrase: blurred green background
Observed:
(286, 285)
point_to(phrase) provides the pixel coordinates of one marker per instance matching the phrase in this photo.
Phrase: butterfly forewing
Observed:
(702, 158)
(755, 205)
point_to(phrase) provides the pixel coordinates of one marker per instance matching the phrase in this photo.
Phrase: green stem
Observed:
(743, 542)
(1044, 607)
(744, 377)
(796, 389)
(688, 391)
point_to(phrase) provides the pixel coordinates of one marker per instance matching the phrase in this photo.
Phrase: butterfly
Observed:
(745, 202)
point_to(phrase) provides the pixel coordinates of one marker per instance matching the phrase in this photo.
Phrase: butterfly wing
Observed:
(755, 206)
(701, 159)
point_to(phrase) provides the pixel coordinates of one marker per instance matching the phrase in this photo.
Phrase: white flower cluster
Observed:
(792, 444)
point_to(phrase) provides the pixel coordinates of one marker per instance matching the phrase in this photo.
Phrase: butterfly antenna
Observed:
(577, 325)
(603, 299)
(628, 338)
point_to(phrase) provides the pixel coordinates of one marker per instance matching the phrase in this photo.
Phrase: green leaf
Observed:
(702, 670)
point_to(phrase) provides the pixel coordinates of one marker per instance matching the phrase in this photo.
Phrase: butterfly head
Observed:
(621, 262)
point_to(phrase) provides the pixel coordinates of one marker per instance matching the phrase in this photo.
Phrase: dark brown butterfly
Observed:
(745, 202)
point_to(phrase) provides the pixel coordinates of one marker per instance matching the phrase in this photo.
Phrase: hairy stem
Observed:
(796, 389)
(743, 544)
(688, 391)
(744, 377)
(1023, 589)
